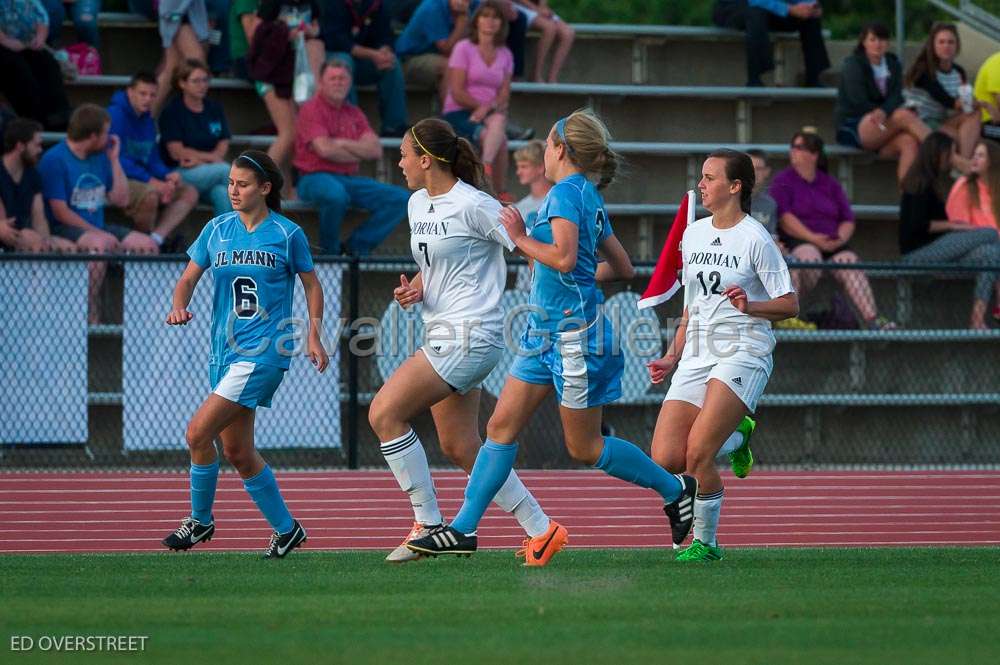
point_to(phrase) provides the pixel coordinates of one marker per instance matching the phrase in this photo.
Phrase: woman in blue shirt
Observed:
(255, 254)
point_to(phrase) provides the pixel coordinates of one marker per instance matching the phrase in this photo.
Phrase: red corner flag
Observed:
(666, 278)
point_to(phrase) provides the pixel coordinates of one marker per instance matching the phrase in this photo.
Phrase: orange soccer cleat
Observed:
(537, 551)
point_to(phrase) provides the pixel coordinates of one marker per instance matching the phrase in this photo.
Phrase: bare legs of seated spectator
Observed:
(184, 47)
(854, 282)
(282, 112)
(965, 128)
(159, 212)
(31, 241)
(898, 135)
(493, 140)
(554, 31)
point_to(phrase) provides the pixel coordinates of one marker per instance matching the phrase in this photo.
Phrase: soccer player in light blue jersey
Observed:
(255, 254)
(570, 345)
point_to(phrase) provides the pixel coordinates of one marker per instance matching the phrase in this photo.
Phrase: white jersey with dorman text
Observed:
(457, 241)
(714, 259)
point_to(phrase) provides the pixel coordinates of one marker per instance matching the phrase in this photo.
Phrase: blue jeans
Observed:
(391, 90)
(218, 54)
(333, 194)
(212, 183)
(84, 15)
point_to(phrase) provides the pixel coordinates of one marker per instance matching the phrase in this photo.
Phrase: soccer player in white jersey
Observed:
(736, 284)
(457, 241)
(569, 340)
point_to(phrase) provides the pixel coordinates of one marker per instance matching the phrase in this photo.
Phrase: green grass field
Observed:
(841, 606)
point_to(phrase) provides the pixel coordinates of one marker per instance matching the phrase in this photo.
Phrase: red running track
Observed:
(365, 510)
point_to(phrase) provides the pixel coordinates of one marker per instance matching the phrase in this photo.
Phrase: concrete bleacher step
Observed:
(603, 53)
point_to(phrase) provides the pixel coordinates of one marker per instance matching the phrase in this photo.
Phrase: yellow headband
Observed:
(426, 151)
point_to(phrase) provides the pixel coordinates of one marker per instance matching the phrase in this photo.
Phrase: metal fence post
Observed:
(352, 365)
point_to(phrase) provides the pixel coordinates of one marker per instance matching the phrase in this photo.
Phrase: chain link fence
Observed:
(106, 384)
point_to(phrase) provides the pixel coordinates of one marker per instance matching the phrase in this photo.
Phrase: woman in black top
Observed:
(869, 112)
(934, 85)
(926, 235)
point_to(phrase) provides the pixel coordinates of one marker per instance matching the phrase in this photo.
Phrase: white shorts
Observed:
(689, 384)
(462, 368)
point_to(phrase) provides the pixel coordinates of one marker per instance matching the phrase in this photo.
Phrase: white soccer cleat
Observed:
(401, 554)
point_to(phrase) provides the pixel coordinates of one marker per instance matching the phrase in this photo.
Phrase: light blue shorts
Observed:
(246, 383)
(584, 366)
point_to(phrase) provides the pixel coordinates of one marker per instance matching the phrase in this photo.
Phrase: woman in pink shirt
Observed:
(974, 198)
(479, 73)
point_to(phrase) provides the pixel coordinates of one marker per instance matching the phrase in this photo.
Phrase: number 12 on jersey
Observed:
(715, 278)
(422, 246)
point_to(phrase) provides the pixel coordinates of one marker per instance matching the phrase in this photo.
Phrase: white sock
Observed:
(734, 441)
(157, 238)
(408, 462)
(514, 497)
(706, 516)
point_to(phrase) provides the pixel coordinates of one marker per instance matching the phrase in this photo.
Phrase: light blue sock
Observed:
(626, 461)
(204, 478)
(263, 489)
(493, 465)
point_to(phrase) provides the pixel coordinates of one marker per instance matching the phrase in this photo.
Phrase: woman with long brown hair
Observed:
(938, 89)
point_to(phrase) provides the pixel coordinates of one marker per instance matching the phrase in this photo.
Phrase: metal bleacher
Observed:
(659, 87)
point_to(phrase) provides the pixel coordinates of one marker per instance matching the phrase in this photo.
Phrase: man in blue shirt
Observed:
(158, 200)
(427, 40)
(80, 175)
(756, 17)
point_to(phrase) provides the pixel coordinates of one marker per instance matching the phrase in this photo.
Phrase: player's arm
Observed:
(560, 255)
(775, 309)
(314, 301)
(179, 314)
(616, 266)
(659, 368)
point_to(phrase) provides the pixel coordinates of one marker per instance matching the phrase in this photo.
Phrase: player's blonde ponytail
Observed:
(588, 146)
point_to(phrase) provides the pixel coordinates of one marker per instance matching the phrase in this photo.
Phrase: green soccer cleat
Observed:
(741, 459)
(699, 551)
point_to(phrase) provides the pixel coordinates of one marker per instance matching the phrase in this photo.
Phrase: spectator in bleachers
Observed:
(870, 112)
(974, 199)
(80, 176)
(554, 31)
(218, 61)
(194, 136)
(30, 78)
(758, 17)
(933, 85)
(23, 227)
(184, 34)
(333, 137)
(517, 32)
(158, 199)
(926, 235)
(82, 12)
(359, 33)
(987, 93)
(816, 223)
(762, 205)
(301, 17)
(479, 75)
(428, 39)
(530, 168)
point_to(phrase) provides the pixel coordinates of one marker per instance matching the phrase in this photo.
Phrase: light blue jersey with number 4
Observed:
(254, 282)
(573, 295)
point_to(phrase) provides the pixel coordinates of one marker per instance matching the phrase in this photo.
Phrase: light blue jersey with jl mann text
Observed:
(254, 282)
(557, 296)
